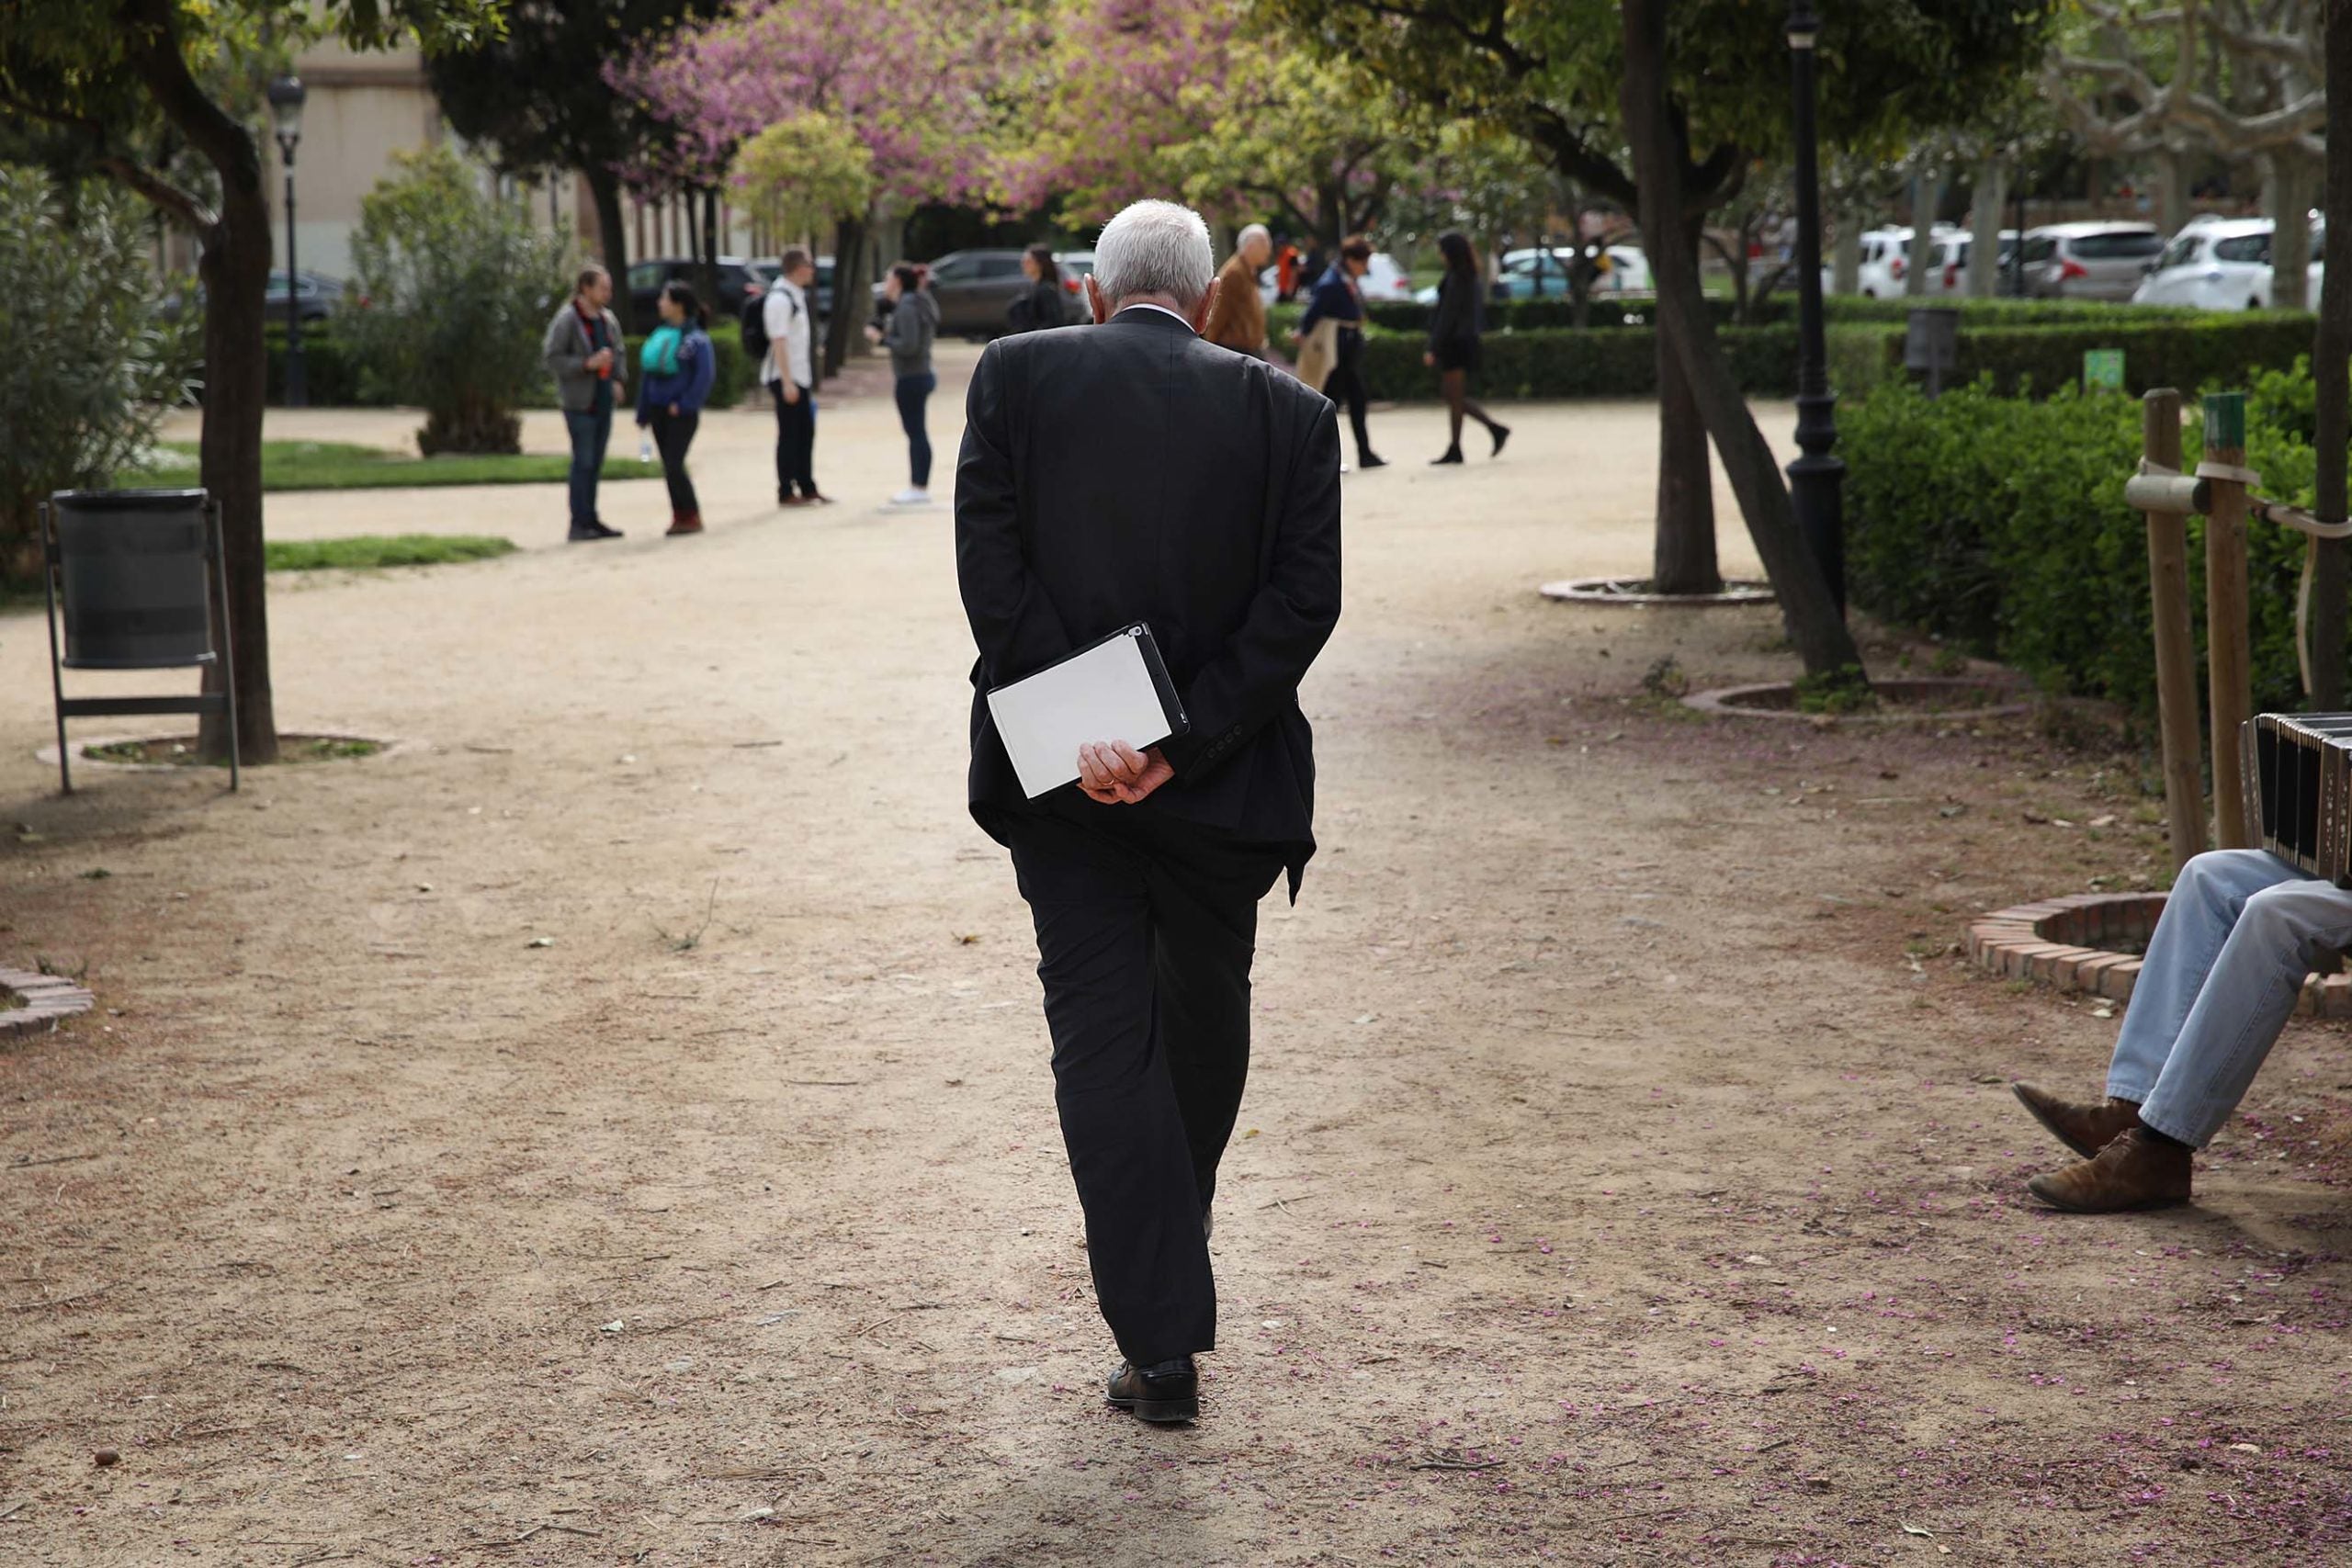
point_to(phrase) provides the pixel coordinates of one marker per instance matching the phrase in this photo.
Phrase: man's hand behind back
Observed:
(1116, 774)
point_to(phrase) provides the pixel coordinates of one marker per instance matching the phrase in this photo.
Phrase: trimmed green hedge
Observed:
(335, 377)
(1620, 362)
(2197, 352)
(1998, 523)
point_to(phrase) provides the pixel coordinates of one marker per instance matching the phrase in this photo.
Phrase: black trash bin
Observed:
(132, 571)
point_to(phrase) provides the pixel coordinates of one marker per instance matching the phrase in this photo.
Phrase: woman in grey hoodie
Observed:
(908, 331)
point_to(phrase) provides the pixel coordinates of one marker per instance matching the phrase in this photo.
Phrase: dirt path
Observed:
(1627, 1175)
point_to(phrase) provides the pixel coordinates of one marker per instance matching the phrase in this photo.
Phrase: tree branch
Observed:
(182, 205)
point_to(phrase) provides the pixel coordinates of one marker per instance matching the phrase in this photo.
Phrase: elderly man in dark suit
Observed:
(1130, 471)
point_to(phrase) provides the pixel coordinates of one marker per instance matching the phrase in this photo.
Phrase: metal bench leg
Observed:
(56, 670)
(228, 646)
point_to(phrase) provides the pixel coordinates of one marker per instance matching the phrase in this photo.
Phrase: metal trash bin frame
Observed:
(220, 645)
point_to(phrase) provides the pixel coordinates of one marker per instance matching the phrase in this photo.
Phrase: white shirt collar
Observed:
(1146, 305)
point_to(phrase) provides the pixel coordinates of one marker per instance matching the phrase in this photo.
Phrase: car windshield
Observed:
(2182, 251)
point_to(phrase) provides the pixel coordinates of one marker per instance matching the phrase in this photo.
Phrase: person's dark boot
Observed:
(1370, 460)
(2084, 1127)
(586, 532)
(1452, 454)
(1165, 1393)
(1501, 433)
(684, 523)
(2138, 1170)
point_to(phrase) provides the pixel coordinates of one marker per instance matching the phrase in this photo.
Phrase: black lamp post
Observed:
(1816, 477)
(285, 107)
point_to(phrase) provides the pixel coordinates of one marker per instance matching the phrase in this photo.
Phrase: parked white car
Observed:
(2222, 264)
(1384, 280)
(1541, 273)
(1886, 258)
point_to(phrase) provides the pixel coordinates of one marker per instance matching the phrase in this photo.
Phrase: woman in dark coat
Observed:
(1454, 343)
(1042, 306)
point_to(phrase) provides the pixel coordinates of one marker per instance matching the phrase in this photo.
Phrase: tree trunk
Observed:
(2331, 369)
(1810, 613)
(2291, 237)
(1927, 191)
(709, 283)
(612, 230)
(235, 266)
(2172, 189)
(1682, 559)
(853, 284)
(1984, 220)
(1846, 254)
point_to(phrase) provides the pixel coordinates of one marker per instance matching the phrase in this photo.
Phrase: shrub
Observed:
(1620, 362)
(2195, 352)
(1998, 523)
(462, 287)
(88, 363)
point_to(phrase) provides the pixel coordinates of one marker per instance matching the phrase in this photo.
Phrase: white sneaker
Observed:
(911, 497)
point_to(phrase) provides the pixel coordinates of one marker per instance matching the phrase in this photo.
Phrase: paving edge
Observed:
(47, 999)
(2054, 942)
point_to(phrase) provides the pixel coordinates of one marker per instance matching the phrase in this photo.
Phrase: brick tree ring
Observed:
(46, 1000)
(2063, 942)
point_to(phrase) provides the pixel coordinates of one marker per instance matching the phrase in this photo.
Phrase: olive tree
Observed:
(459, 287)
(88, 363)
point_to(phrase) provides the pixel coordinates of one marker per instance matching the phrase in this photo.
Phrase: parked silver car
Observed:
(2089, 261)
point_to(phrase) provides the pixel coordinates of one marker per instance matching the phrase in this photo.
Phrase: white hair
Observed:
(1255, 231)
(1153, 247)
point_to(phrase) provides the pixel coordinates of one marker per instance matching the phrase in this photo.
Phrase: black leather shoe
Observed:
(592, 532)
(1164, 1395)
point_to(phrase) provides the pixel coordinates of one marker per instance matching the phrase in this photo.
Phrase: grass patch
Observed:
(336, 465)
(179, 751)
(364, 552)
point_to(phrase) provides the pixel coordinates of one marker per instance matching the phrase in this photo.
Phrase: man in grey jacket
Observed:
(590, 361)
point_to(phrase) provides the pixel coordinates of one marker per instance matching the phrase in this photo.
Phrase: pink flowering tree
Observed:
(1185, 97)
(915, 80)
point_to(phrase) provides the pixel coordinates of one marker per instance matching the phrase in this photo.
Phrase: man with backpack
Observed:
(787, 371)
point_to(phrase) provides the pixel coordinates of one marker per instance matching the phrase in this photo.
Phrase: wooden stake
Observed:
(2229, 654)
(2175, 639)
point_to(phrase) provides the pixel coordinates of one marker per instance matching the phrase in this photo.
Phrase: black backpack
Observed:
(755, 328)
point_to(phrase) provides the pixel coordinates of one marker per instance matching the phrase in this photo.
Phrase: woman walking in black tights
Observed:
(1454, 343)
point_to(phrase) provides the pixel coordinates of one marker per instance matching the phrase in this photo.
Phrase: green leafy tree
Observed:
(115, 79)
(1553, 74)
(536, 92)
(87, 363)
(459, 285)
(803, 176)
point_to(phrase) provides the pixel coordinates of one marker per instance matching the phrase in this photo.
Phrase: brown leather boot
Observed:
(2083, 1128)
(685, 523)
(2138, 1170)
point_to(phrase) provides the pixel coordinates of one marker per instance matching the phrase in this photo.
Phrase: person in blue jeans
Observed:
(678, 369)
(2239, 933)
(584, 352)
(907, 331)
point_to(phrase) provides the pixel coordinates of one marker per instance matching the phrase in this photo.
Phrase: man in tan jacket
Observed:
(1237, 315)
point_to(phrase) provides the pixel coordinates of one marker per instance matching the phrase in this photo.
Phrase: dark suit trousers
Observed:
(1146, 927)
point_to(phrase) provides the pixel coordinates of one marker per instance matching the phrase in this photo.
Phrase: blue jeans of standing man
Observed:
(590, 429)
(2240, 932)
(914, 391)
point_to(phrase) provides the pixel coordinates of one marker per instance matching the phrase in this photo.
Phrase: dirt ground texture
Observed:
(1628, 1174)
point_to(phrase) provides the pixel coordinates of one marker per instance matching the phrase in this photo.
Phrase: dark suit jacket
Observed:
(1132, 472)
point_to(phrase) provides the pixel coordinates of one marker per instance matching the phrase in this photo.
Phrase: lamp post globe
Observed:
(1816, 479)
(285, 94)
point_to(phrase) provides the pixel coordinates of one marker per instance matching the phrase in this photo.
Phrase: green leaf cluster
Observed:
(88, 363)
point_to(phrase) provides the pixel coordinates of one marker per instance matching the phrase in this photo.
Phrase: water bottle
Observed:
(645, 447)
